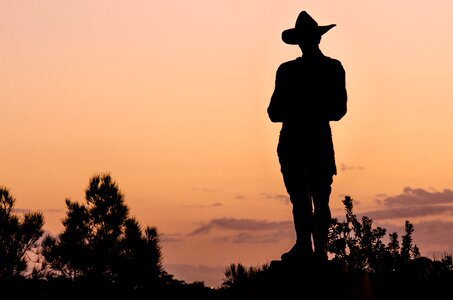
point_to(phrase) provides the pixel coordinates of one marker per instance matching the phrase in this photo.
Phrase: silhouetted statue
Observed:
(310, 91)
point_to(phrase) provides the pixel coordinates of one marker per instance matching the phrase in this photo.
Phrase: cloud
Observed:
(344, 167)
(266, 195)
(27, 210)
(419, 196)
(381, 195)
(434, 232)
(22, 210)
(281, 197)
(202, 230)
(233, 224)
(273, 236)
(414, 202)
(171, 238)
(215, 204)
(204, 190)
(409, 211)
(53, 210)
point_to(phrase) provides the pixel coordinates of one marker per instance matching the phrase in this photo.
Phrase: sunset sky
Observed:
(170, 98)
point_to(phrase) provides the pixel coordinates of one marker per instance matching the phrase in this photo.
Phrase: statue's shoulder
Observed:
(288, 66)
(333, 62)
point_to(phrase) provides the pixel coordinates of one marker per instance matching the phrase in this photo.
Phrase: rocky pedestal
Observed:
(298, 281)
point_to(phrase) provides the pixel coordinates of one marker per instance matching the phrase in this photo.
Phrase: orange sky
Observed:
(170, 97)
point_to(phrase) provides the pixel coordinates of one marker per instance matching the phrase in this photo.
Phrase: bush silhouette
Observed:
(354, 243)
(359, 245)
(237, 275)
(18, 236)
(103, 251)
(392, 270)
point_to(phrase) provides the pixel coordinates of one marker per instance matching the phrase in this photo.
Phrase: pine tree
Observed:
(102, 243)
(18, 236)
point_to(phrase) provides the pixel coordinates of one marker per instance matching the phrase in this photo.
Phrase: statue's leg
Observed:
(295, 179)
(303, 223)
(321, 189)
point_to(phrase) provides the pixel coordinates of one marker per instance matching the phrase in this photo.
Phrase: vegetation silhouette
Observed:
(18, 236)
(361, 248)
(362, 267)
(102, 243)
(103, 252)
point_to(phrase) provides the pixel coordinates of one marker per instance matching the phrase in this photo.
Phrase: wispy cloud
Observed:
(413, 202)
(409, 211)
(419, 196)
(433, 237)
(27, 210)
(171, 238)
(215, 204)
(434, 232)
(204, 190)
(344, 167)
(273, 236)
(233, 224)
(281, 197)
(22, 210)
(381, 195)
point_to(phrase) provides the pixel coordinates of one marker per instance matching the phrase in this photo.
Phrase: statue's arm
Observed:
(338, 94)
(276, 109)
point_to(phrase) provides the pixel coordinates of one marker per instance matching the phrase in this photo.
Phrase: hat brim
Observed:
(293, 36)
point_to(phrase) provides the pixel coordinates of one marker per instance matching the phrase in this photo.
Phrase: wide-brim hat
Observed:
(305, 26)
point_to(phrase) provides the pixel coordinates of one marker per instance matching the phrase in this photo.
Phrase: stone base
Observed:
(298, 281)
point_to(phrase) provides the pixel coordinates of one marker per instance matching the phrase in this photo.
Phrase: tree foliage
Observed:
(237, 275)
(18, 236)
(102, 243)
(361, 246)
